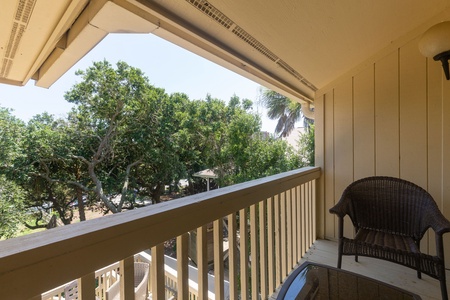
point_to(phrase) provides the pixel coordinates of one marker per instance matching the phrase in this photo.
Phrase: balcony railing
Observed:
(107, 276)
(270, 224)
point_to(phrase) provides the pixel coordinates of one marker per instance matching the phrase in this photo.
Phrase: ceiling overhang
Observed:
(96, 21)
(293, 47)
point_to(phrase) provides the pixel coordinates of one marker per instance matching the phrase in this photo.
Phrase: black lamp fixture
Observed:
(435, 43)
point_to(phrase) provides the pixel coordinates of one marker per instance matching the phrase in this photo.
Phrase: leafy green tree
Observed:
(264, 157)
(12, 208)
(229, 140)
(129, 126)
(45, 167)
(159, 151)
(11, 143)
(202, 137)
(252, 154)
(306, 147)
(190, 138)
(126, 139)
(31, 162)
(242, 132)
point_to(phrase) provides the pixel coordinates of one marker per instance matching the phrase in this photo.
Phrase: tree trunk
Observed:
(61, 211)
(99, 190)
(157, 192)
(80, 204)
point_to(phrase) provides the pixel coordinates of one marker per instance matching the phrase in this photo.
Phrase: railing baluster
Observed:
(202, 262)
(294, 227)
(182, 266)
(218, 260)
(254, 246)
(288, 231)
(232, 256)
(270, 245)
(127, 278)
(263, 249)
(284, 271)
(304, 224)
(243, 246)
(298, 199)
(277, 231)
(102, 281)
(86, 287)
(157, 272)
(313, 209)
(309, 214)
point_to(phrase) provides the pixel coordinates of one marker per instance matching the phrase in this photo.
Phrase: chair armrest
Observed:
(341, 208)
(440, 224)
(436, 220)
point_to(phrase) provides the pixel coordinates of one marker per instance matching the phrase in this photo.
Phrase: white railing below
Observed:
(104, 278)
(279, 226)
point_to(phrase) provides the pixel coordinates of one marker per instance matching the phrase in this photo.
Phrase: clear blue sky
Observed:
(165, 64)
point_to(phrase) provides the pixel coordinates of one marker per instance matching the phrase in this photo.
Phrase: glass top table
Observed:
(315, 281)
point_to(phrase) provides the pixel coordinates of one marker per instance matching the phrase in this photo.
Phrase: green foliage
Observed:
(125, 139)
(264, 157)
(306, 147)
(11, 133)
(12, 208)
(130, 125)
(46, 168)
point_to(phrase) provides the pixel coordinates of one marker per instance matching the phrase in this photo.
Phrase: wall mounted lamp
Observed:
(435, 43)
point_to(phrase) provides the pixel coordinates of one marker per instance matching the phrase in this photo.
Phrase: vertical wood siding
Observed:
(392, 117)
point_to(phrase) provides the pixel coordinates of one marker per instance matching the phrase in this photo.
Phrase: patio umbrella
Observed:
(207, 174)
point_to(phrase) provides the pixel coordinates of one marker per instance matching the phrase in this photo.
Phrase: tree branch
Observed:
(126, 181)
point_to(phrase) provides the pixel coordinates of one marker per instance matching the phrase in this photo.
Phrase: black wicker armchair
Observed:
(390, 217)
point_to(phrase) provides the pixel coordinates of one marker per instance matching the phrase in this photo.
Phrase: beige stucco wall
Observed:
(390, 116)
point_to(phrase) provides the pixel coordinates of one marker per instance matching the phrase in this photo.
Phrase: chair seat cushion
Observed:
(387, 240)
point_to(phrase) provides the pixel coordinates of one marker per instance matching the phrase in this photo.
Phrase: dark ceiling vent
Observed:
(206, 8)
(243, 35)
(212, 12)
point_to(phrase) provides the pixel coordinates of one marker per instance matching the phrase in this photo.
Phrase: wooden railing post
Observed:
(271, 245)
(157, 272)
(243, 247)
(232, 256)
(307, 215)
(202, 262)
(263, 249)
(303, 218)
(254, 246)
(86, 287)
(293, 227)
(218, 260)
(277, 232)
(283, 221)
(312, 200)
(182, 267)
(299, 222)
(127, 278)
(289, 261)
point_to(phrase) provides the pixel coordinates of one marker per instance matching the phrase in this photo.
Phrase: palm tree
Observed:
(285, 110)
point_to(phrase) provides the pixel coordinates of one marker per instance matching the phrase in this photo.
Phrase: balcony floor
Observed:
(325, 252)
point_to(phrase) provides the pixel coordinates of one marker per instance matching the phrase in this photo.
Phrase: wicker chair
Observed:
(390, 217)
